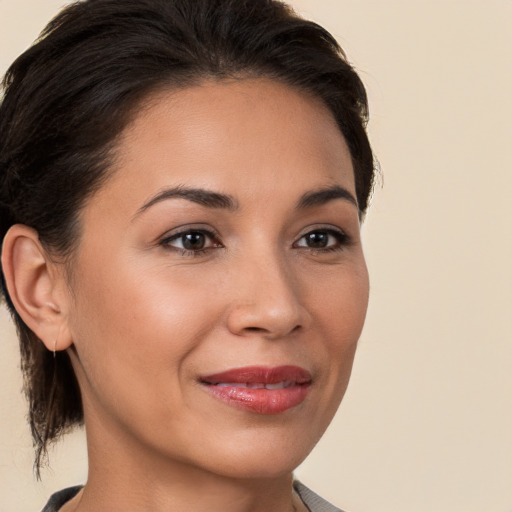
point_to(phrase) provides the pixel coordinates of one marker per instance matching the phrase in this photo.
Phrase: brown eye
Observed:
(323, 239)
(317, 239)
(192, 241)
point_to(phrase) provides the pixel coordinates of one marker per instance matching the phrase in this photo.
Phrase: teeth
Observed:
(255, 385)
(277, 385)
(280, 385)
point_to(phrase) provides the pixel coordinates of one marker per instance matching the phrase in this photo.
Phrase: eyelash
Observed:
(166, 242)
(342, 241)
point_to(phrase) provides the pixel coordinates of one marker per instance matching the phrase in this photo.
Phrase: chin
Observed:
(262, 468)
(263, 458)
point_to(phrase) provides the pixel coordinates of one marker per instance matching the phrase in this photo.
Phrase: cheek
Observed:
(129, 301)
(341, 312)
(136, 333)
(342, 303)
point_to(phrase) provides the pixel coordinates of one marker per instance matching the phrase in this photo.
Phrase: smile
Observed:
(256, 385)
(260, 390)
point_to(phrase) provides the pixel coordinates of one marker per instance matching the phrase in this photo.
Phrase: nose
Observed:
(268, 301)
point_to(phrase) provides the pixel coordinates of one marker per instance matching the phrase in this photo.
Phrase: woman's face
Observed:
(220, 288)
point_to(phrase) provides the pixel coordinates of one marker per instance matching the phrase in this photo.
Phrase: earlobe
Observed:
(33, 283)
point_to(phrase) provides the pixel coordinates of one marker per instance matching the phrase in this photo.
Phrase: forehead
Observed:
(239, 137)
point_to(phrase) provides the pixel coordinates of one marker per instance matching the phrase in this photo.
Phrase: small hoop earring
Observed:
(55, 348)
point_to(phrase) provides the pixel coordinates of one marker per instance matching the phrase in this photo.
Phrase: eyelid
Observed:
(187, 228)
(343, 238)
(321, 227)
(181, 231)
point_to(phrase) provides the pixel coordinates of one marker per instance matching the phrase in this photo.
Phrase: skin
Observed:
(143, 320)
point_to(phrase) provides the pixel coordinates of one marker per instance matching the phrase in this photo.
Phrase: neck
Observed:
(128, 476)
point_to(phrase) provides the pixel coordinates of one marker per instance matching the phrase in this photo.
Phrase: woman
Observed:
(182, 184)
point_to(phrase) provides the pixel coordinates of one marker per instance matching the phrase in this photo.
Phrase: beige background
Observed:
(427, 422)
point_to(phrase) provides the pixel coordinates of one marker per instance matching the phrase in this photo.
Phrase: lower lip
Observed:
(261, 401)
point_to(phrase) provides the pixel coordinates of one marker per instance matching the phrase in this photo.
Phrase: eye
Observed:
(323, 240)
(191, 241)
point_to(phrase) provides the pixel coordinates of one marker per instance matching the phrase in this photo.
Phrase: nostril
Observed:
(263, 330)
(255, 329)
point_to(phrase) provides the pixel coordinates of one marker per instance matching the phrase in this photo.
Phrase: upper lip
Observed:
(260, 375)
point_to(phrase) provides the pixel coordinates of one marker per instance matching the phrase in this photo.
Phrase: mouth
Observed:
(260, 390)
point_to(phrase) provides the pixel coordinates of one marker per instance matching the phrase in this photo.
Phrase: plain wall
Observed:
(426, 424)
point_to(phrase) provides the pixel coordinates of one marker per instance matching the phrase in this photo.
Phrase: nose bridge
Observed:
(268, 297)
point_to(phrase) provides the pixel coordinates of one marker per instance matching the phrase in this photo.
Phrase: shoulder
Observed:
(314, 502)
(58, 499)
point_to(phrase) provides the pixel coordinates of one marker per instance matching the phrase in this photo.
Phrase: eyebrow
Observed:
(217, 200)
(196, 195)
(324, 195)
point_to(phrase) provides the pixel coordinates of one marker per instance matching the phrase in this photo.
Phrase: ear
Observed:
(36, 286)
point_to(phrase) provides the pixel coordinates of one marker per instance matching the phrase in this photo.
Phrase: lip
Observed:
(246, 388)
